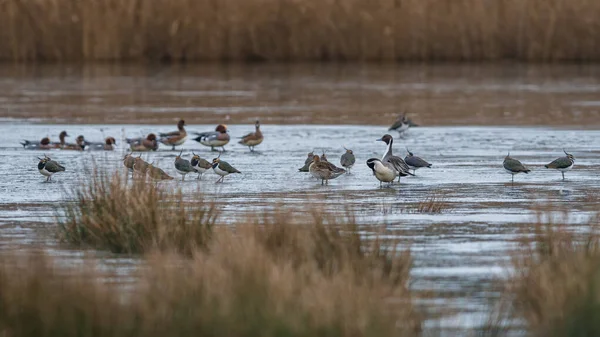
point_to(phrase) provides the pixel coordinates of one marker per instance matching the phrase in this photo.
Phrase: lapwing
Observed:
(217, 138)
(324, 157)
(414, 162)
(307, 162)
(149, 143)
(324, 170)
(252, 139)
(402, 123)
(348, 160)
(174, 138)
(384, 172)
(223, 168)
(563, 164)
(201, 165)
(513, 166)
(183, 166)
(402, 170)
(48, 167)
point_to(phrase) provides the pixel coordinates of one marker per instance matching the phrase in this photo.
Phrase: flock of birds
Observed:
(385, 169)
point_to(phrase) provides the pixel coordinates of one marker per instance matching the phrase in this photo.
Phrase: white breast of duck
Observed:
(384, 173)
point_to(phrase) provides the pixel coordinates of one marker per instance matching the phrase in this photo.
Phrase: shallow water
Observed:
(459, 253)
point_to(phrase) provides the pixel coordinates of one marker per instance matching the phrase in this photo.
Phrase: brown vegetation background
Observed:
(299, 30)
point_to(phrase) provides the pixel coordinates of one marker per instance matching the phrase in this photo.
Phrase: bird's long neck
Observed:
(388, 151)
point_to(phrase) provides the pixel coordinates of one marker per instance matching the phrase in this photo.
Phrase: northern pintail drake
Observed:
(48, 167)
(307, 162)
(414, 162)
(402, 170)
(201, 165)
(324, 170)
(223, 169)
(157, 174)
(78, 146)
(174, 138)
(513, 166)
(183, 166)
(140, 166)
(149, 143)
(402, 123)
(128, 161)
(43, 144)
(217, 138)
(384, 172)
(562, 164)
(108, 145)
(348, 159)
(253, 138)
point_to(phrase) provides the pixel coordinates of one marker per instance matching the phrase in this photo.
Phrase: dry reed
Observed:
(292, 30)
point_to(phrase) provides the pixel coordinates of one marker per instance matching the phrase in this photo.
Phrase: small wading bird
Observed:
(217, 138)
(562, 164)
(201, 165)
(183, 166)
(157, 174)
(384, 172)
(223, 169)
(324, 170)
(348, 160)
(252, 139)
(140, 166)
(402, 170)
(48, 167)
(513, 166)
(128, 161)
(108, 145)
(307, 162)
(323, 157)
(402, 124)
(143, 144)
(414, 162)
(174, 138)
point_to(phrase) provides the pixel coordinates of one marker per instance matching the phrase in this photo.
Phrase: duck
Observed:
(348, 160)
(513, 166)
(562, 164)
(253, 138)
(414, 162)
(140, 166)
(307, 162)
(402, 170)
(43, 144)
(128, 162)
(201, 165)
(174, 138)
(157, 174)
(402, 123)
(62, 142)
(223, 169)
(324, 170)
(149, 143)
(47, 167)
(78, 146)
(217, 138)
(183, 166)
(384, 172)
(108, 145)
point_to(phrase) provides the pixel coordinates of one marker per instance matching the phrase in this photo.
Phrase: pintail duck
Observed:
(402, 123)
(216, 138)
(157, 174)
(78, 146)
(43, 144)
(48, 167)
(402, 170)
(414, 162)
(108, 145)
(384, 172)
(143, 144)
(201, 165)
(140, 166)
(324, 170)
(223, 168)
(307, 162)
(128, 161)
(174, 138)
(183, 166)
(252, 139)
(513, 166)
(563, 164)
(348, 159)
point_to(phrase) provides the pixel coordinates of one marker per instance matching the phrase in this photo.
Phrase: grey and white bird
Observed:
(217, 138)
(384, 172)
(348, 160)
(47, 167)
(402, 123)
(324, 170)
(201, 165)
(183, 166)
(402, 170)
(108, 145)
(223, 169)
(414, 162)
(43, 144)
(562, 164)
(513, 166)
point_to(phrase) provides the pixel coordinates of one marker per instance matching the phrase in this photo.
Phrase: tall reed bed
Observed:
(293, 30)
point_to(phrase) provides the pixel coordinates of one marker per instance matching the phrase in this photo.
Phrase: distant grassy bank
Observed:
(293, 30)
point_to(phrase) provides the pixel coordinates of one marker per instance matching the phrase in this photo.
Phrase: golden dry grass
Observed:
(293, 30)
